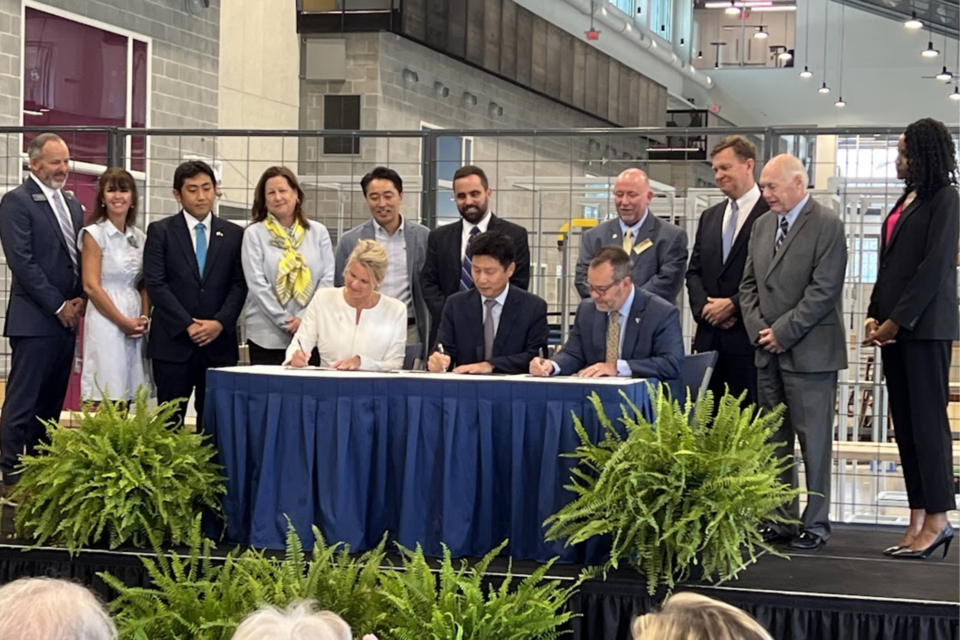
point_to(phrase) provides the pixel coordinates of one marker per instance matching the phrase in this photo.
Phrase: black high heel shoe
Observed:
(889, 551)
(945, 538)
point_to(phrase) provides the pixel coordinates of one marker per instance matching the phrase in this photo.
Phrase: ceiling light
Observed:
(785, 55)
(945, 75)
(930, 52)
(732, 10)
(956, 94)
(761, 33)
(806, 72)
(840, 102)
(913, 22)
(699, 55)
(824, 88)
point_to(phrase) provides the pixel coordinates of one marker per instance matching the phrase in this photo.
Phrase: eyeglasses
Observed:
(604, 289)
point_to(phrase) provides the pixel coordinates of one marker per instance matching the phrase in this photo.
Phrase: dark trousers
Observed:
(810, 399)
(37, 383)
(738, 372)
(918, 383)
(176, 380)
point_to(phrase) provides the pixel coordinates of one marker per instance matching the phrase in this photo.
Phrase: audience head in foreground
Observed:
(49, 609)
(691, 616)
(300, 621)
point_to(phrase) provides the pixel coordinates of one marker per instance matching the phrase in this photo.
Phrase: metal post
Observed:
(428, 204)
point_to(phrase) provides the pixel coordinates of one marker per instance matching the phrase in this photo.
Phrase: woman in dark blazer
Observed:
(914, 319)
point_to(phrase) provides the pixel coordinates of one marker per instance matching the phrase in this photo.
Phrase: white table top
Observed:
(311, 372)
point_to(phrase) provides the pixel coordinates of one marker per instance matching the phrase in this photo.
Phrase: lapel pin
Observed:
(636, 320)
(219, 234)
(614, 236)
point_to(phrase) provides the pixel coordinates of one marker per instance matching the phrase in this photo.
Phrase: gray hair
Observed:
(35, 148)
(789, 167)
(299, 622)
(50, 609)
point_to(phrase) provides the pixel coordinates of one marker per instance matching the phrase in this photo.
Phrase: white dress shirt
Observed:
(192, 227)
(396, 282)
(745, 205)
(330, 325)
(468, 227)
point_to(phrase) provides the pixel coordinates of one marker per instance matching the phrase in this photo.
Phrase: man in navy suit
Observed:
(621, 330)
(38, 228)
(446, 268)
(494, 327)
(192, 269)
(657, 249)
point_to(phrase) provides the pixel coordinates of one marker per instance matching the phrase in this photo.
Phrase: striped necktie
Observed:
(466, 267)
(782, 233)
(66, 228)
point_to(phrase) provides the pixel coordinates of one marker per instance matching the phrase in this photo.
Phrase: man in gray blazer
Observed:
(657, 249)
(790, 298)
(405, 242)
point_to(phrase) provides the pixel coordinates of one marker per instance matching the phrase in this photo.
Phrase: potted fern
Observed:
(687, 491)
(126, 475)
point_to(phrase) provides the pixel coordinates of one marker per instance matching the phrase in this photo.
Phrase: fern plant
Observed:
(685, 490)
(199, 598)
(454, 606)
(124, 476)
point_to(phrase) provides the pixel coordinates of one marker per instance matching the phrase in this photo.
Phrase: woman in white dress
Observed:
(116, 320)
(285, 259)
(354, 326)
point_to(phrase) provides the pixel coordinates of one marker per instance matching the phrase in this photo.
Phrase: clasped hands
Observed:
(720, 312)
(203, 332)
(69, 316)
(880, 335)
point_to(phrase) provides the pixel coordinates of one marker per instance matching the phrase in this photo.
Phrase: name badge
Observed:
(39, 197)
(643, 246)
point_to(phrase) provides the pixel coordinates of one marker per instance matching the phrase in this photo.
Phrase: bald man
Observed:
(657, 249)
(790, 298)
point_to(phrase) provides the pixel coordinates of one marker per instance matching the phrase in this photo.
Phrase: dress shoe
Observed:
(944, 539)
(772, 536)
(807, 541)
(889, 551)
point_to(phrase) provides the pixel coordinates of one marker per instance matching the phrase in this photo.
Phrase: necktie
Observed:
(613, 337)
(628, 241)
(730, 230)
(782, 233)
(66, 228)
(489, 331)
(466, 275)
(201, 246)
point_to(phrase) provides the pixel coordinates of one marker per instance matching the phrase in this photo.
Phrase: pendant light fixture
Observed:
(913, 23)
(840, 102)
(956, 94)
(761, 33)
(930, 52)
(732, 10)
(826, 22)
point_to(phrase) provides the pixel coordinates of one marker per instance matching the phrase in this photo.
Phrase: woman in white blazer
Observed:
(286, 258)
(354, 326)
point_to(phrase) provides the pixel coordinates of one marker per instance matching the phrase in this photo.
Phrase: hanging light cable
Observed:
(840, 102)
(826, 24)
(930, 52)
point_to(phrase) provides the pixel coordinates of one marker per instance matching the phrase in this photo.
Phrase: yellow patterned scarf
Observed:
(293, 274)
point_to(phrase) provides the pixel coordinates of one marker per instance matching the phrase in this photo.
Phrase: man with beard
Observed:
(404, 240)
(447, 268)
(38, 228)
(716, 267)
(657, 249)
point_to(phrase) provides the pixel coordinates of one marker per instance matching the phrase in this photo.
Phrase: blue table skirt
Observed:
(468, 463)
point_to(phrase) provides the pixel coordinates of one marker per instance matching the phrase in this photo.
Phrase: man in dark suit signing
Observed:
(446, 269)
(192, 270)
(657, 249)
(621, 330)
(716, 268)
(494, 327)
(38, 228)
(790, 298)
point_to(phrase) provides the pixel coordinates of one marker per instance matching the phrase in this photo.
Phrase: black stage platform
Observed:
(845, 591)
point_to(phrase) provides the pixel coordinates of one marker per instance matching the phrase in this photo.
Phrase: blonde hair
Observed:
(373, 257)
(301, 621)
(50, 609)
(691, 616)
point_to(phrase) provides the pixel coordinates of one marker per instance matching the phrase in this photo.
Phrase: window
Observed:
(864, 257)
(597, 200)
(661, 18)
(341, 113)
(452, 152)
(77, 74)
(627, 6)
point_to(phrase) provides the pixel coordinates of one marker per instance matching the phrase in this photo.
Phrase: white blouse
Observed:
(330, 325)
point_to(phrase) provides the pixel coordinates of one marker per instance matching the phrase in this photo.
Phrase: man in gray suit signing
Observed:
(657, 249)
(790, 299)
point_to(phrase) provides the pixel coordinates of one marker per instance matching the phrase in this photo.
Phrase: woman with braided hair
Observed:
(914, 319)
